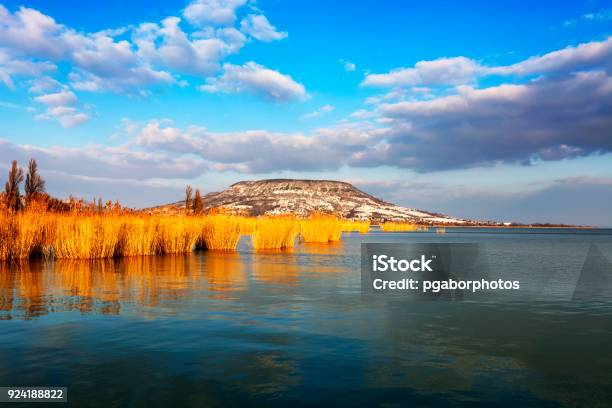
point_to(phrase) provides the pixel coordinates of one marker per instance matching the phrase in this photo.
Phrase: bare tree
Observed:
(188, 198)
(34, 183)
(198, 203)
(11, 188)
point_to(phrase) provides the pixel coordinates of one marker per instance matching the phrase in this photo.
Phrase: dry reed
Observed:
(85, 236)
(321, 228)
(274, 233)
(177, 234)
(398, 227)
(362, 227)
(93, 235)
(220, 232)
(138, 236)
(21, 235)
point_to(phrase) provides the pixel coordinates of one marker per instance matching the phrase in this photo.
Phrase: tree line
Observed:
(35, 195)
(34, 187)
(193, 203)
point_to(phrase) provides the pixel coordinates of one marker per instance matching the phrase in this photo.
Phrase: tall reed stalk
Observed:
(362, 227)
(21, 235)
(86, 236)
(221, 232)
(177, 234)
(138, 236)
(321, 228)
(398, 227)
(274, 233)
(93, 235)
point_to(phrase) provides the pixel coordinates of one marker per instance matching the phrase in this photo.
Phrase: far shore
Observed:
(586, 227)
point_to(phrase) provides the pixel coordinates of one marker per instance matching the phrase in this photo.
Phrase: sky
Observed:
(475, 109)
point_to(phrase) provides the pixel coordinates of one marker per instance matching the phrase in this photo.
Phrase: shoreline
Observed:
(522, 226)
(508, 226)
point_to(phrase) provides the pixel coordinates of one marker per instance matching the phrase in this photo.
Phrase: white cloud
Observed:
(217, 12)
(169, 46)
(560, 111)
(11, 67)
(29, 35)
(120, 162)
(60, 98)
(60, 106)
(260, 150)
(604, 15)
(447, 71)
(401, 94)
(135, 59)
(462, 70)
(68, 117)
(258, 26)
(128, 59)
(363, 114)
(159, 133)
(44, 84)
(256, 79)
(323, 110)
(582, 56)
(30, 32)
(545, 119)
(348, 66)
(233, 38)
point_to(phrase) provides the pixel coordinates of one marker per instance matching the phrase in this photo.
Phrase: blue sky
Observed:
(470, 108)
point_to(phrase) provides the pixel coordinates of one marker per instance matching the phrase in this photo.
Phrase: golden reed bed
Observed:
(398, 227)
(113, 234)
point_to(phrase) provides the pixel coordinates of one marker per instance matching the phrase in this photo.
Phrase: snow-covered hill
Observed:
(302, 197)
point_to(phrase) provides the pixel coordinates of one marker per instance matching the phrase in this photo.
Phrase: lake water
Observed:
(279, 328)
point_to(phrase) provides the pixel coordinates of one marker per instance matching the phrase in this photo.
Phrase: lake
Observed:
(292, 328)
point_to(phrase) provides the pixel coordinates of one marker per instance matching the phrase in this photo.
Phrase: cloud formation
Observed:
(564, 113)
(61, 103)
(349, 66)
(12, 67)
(323, 110)
(121, 162)
(135, 60)
(147, 54)
(558, 106)
(462, 70)
(169, 46)
(434, 115)
(260, 151)
(216, 12)
(258, 26)
(562, 110)
(595, 54)
(28, 35)
(449, 71)
(543, 120)
(258, 80)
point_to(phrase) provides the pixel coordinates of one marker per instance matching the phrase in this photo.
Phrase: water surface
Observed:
(279, 328)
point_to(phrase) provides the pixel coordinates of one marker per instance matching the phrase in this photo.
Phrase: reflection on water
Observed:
(38, 288)
(291, 327)
(268, 269)
(224, 272)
